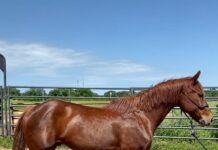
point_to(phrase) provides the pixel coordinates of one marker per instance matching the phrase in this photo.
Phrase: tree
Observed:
(75, 92)
(34, 92)
(59, 92)
(84, 93)
(15, 92)
(211, 93)
(110, 94)
(122, 93)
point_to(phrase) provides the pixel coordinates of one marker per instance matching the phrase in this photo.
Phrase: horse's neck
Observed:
(157, 115)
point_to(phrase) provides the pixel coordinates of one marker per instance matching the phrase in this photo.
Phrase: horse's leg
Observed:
(132, 139)
(32, 147)
(41, 141)
(39, 146)
(51, 148)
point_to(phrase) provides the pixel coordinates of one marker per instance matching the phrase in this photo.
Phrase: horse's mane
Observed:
(150, 98)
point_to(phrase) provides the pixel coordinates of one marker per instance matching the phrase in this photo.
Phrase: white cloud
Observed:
(60, 65)
(115, 67)
(43, 59)
(39, 58)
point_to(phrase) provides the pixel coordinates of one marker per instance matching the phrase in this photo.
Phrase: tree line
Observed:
(66, 92)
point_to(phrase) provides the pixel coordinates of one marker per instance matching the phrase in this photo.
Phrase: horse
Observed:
(128, 123)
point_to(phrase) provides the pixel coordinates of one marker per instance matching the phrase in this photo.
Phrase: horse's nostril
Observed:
(212, 120)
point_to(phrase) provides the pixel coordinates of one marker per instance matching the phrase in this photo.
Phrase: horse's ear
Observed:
(195, 77)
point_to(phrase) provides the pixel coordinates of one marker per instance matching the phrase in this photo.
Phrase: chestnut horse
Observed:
(126, 124)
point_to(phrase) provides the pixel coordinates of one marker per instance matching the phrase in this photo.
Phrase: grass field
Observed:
(158, 144)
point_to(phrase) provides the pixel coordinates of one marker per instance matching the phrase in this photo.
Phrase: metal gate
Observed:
(178, 121)
(2, 96)
(1, 112)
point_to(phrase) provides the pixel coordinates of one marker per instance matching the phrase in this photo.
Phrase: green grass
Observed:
(167, 144)
(158, 144)
(6, 142)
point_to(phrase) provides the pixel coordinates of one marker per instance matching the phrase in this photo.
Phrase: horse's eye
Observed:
(201, 95)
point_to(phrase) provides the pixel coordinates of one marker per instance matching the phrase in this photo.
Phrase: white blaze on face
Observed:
(206, 117)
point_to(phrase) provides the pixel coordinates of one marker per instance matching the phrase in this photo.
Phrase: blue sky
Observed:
(108, 43)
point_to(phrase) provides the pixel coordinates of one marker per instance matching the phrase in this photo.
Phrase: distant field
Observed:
(87, 102)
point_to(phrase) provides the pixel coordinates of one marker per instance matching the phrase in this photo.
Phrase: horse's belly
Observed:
(103, 133)
(91, 136)
(107, 137)
(93, 142)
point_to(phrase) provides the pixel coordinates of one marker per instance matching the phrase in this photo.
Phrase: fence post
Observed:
(131, 90)
(2, 111)
(3, 68)
(9, 112)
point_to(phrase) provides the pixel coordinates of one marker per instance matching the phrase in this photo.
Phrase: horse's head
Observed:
(193, 102)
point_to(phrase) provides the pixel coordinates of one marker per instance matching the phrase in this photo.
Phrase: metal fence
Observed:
(1, 112)
(175, 121)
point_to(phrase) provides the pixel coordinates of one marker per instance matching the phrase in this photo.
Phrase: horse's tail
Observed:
(19, 142)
